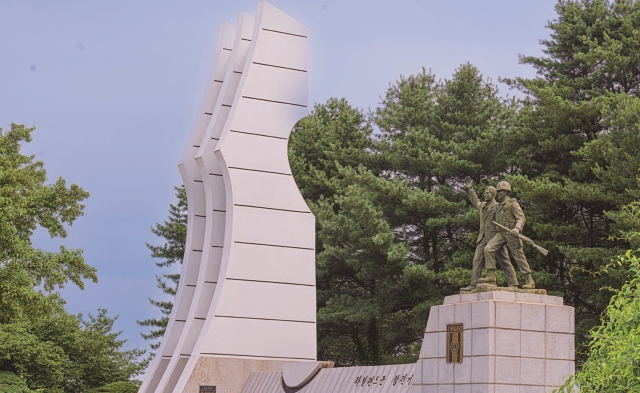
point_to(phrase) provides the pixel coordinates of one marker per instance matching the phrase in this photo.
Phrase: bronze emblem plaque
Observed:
(207, 389)
(454, 343)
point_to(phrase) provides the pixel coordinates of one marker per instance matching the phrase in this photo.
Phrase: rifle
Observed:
(543, 251)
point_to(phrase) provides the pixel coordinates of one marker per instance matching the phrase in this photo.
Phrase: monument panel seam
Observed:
(271, 282)
(271, 208)
(263, 319)
(263, 135)
(274, 245)
(284, 32)
(277, 66)
(258, 170)
(277, 102)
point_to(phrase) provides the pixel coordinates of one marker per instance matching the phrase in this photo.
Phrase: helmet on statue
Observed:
(503, 185)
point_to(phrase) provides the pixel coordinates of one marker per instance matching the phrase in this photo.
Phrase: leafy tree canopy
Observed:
(11, 383)
(614, 349)
(39, 342)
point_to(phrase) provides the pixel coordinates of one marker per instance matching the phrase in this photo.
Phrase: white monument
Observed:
(244, 316)
(246, 299)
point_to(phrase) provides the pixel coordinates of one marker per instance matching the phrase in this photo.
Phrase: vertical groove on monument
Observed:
(197, 218)
(253, 304)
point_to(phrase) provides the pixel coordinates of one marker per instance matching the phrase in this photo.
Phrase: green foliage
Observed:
(67, 353)
(576, 148)
(393, 221)
(614, 350)
(39, 342)
(116, 387)
(395, 230)
(11, 383)
(322, 150)
(433, 135)
(333, 135)
(359, 275)
(26, 202)
(174, 231)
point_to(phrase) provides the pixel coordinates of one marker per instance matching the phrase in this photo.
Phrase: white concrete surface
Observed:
(248, 277)
(213, 231)
(296, 374)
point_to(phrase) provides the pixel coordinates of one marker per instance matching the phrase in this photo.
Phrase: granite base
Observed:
(512, 342)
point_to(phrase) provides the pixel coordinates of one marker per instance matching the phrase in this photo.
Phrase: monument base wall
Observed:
(228, 375)
(510, 342)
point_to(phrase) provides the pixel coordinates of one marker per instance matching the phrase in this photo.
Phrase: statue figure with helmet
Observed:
(501, 224)
(508, 214)
(488, 229)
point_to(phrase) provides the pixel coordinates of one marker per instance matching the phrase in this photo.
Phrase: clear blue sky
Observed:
(113, 88)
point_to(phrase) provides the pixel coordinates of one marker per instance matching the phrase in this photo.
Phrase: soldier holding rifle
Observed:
(508, 215)
(487, 210)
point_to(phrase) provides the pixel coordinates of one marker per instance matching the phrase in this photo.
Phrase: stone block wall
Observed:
(512, 343)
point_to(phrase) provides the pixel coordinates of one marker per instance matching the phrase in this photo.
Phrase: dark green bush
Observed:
(11, 383)
(116, 387)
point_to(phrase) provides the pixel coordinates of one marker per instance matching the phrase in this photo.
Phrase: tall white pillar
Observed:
(246, 298)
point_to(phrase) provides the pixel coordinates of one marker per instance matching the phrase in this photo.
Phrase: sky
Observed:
(113, 88)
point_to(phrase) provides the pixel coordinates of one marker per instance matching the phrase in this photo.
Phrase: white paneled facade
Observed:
(247, 288)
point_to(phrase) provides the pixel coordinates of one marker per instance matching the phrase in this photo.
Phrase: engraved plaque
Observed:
(207, 389)
(454, 343)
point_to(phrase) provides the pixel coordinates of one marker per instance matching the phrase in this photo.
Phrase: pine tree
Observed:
(323, 150)
(576, 149)
(333, 135)
(363, 316)
(434, 135)
(174, 231)
(393, 224)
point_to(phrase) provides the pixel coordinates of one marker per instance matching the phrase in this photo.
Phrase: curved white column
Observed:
(265, 304)
(196, 215)
(214, 201)
(246, 299)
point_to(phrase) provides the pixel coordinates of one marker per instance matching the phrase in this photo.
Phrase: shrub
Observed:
(11, 383)
(116, 387)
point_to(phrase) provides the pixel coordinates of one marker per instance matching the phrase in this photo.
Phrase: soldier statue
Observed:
(488, 230)
(508, 215)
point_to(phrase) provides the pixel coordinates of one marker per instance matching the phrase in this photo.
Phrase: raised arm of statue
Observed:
(472, 194)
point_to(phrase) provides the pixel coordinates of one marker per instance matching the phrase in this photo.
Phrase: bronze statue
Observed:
(488, 230)
(508, 214)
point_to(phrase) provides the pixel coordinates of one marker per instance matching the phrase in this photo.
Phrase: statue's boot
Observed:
(529, 283)
(512, 281)
(490, 278)
(470, 288)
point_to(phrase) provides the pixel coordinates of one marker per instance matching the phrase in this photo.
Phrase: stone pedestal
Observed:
(512, 343)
